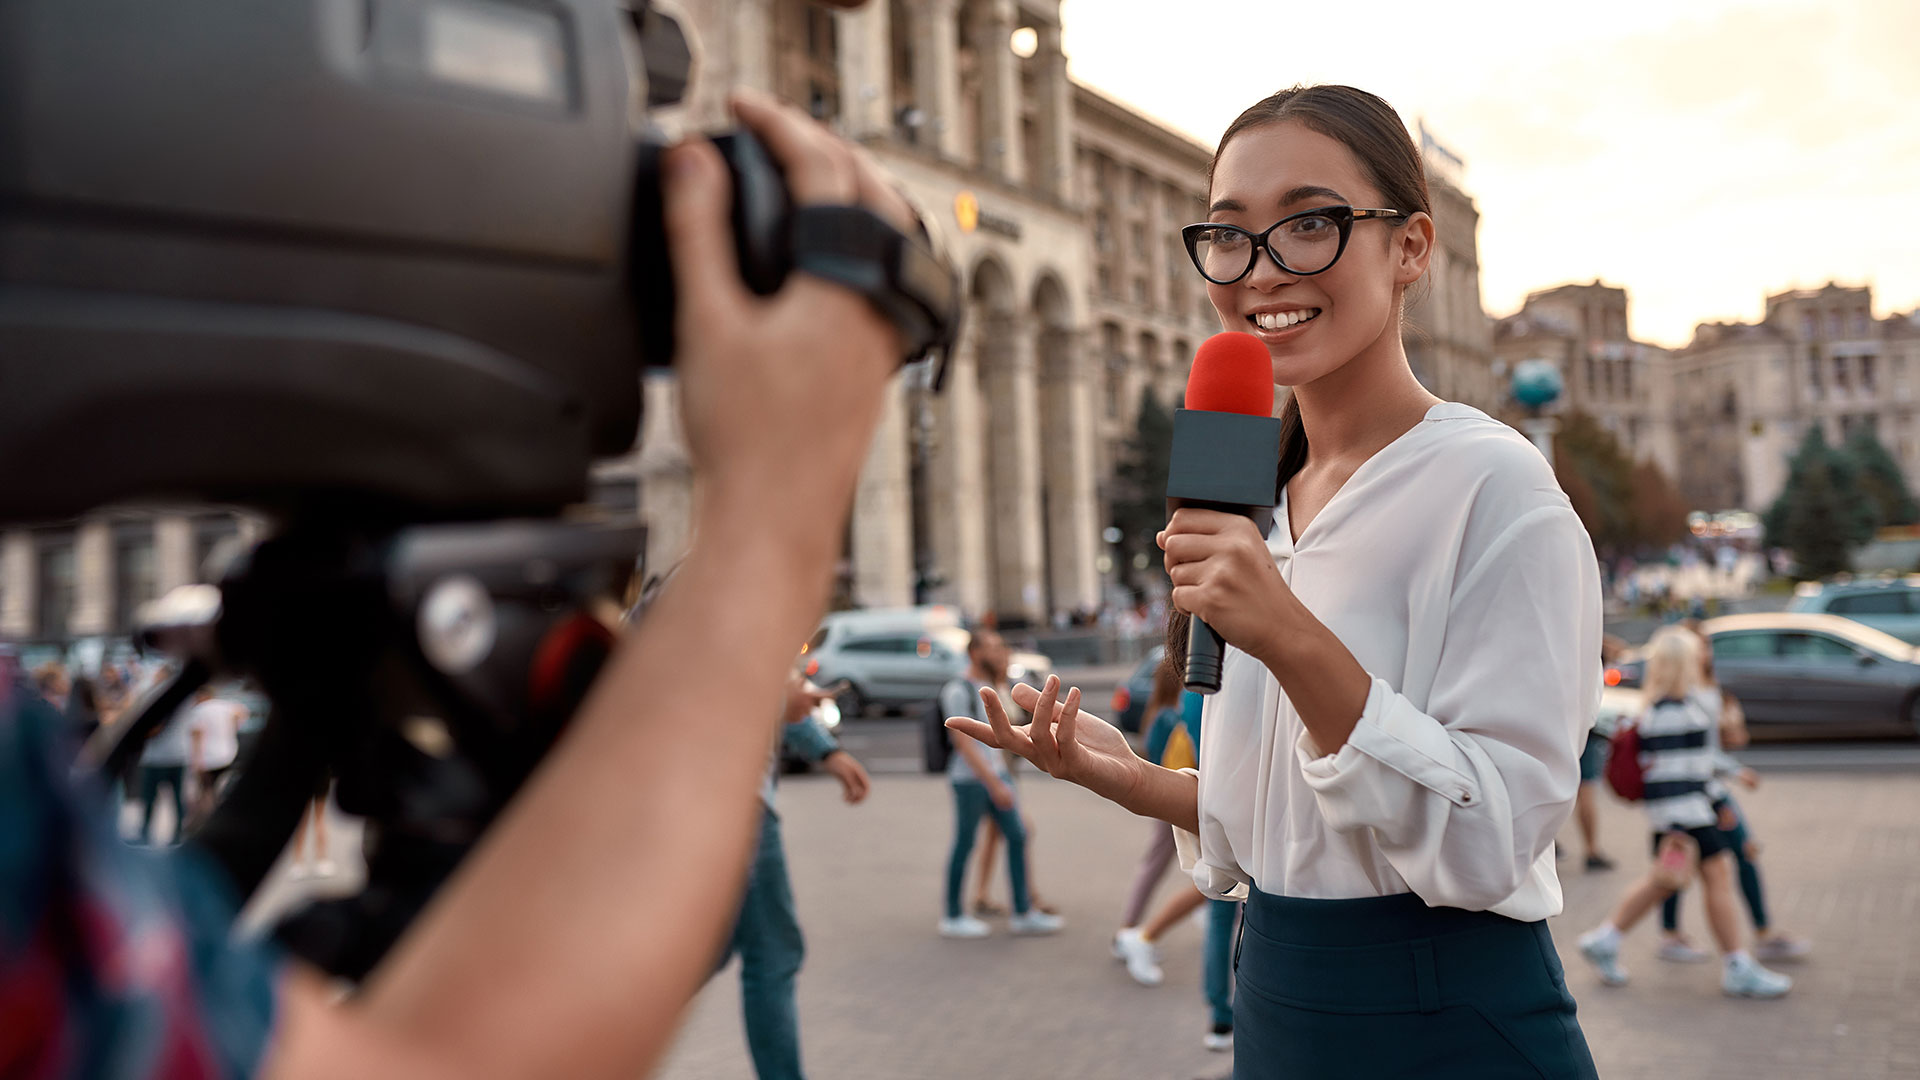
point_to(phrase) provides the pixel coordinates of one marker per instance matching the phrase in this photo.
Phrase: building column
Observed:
(19, 581)
(92, 579)
(1073, 511)
(866, 75)
(1000, 142)
(958, 527)
(173, 564)
(1053, 174)
(666, 479)
(936, 72)
(883, 512)
(753, 44)
(1013, 471)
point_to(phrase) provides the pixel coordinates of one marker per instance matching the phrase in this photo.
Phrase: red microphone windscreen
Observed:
(1232, 372)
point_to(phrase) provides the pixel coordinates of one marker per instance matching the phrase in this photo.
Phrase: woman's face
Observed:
(1267, 173)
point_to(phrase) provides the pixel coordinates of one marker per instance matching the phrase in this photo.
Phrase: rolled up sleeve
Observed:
(1465, 795)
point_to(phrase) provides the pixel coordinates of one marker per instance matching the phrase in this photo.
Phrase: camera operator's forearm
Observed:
(593, 911)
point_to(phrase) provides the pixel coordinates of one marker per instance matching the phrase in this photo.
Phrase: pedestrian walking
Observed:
(213, 734)
(982, 785)
(1593, 764)
(766, 934)
(1771, 944)
(1689, 815)
(1173, 741)
(163, 764)
(1396, 739)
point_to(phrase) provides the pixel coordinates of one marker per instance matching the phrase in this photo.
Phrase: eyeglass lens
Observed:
(1304, 245)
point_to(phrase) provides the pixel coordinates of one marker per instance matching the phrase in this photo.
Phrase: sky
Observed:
(1700, 153)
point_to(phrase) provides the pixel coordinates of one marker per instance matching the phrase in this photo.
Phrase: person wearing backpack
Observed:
(1676, 754)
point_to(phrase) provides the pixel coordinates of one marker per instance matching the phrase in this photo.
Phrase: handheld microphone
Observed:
(1226, 457)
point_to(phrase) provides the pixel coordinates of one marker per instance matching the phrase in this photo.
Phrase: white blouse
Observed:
(1454, 569)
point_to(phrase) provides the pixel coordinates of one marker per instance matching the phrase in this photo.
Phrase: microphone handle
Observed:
(1205, 648)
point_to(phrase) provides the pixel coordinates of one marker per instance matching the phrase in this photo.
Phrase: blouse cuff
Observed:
(1212, 882)
(1390, 733)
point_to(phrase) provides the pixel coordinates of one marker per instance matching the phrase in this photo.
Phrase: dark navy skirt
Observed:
(1389, 987)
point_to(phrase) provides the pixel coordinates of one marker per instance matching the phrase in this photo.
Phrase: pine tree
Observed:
(1813, 526)
(1881, 479)
(1823, 512)
(1140, 486)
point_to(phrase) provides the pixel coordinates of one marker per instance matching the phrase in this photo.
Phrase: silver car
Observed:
(1789, 668)
(1890, 606)
(898, 657)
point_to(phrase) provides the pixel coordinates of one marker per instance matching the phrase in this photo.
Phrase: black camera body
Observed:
(393, 258)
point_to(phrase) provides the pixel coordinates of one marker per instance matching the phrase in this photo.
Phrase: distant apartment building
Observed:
(1746, 393)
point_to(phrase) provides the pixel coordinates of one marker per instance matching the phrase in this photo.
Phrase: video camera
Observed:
(388, 271)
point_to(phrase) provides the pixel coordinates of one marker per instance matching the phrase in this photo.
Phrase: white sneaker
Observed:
(1035, 922)
(1750, 980)
(965, 926)
(325, 868)
(1142, 956)
(1603, 952)
(1219, 1041)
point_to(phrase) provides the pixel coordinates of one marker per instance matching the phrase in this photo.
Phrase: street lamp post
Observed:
(1536, 385)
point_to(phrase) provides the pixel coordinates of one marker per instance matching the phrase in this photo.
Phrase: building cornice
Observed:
(1089, 103)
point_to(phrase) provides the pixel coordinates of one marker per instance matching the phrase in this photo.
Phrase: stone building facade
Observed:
(1746, 393)
(1624, 384)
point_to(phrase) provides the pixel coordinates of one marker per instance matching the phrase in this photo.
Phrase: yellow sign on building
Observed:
(966, 210)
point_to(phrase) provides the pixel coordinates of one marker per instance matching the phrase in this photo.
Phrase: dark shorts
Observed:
(1712, 841)
(1593, 759)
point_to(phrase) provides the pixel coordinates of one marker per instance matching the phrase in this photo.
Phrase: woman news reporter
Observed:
(1396, 740)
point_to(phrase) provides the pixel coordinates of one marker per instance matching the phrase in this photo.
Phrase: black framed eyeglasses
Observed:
(1306, 243)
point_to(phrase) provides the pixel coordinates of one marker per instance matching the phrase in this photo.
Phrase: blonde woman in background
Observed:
(1687, 808)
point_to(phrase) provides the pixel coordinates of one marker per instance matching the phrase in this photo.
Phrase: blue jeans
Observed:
(1216, 970)
(767, 939)
(970, 803)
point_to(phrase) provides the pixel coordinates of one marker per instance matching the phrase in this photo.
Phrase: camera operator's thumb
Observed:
(697, 200)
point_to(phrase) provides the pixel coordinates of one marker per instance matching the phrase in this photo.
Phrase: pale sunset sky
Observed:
(1700, 153)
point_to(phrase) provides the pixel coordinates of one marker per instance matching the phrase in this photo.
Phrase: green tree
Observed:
(1823, 512)
(1812, 525)
(1881, 479)
(1598, 479)
(1140, 487)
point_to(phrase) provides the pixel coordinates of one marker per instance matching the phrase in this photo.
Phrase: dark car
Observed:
(1130, 698)
(1808, 670)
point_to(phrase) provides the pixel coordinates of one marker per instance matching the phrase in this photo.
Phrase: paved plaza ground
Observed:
(884, 998)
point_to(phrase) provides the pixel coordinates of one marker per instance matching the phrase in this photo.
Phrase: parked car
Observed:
(1892, 606)
(1790, 668)
(1130, 698)
(898, 657)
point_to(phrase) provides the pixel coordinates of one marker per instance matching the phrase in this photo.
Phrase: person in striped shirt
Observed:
(1679, 751)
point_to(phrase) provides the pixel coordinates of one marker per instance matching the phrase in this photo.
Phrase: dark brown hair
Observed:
(1168, 684)
(1365, 124)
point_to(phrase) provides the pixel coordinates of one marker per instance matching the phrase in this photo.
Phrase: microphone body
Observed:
(1230, 462)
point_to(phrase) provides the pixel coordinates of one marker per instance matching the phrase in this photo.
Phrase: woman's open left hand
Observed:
(1063, 741)
(1222, 572)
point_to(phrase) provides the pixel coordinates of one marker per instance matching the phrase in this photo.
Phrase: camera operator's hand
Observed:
(779, 395)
